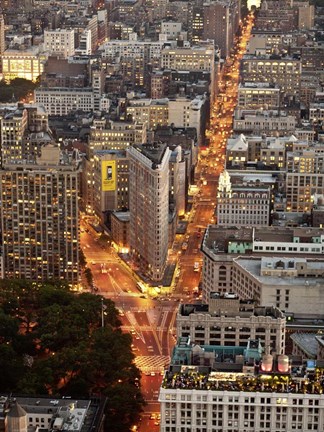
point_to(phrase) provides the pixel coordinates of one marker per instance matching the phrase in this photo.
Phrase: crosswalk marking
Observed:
(141, 328)
(152, 363)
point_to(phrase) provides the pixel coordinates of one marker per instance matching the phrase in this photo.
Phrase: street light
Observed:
(103, 308)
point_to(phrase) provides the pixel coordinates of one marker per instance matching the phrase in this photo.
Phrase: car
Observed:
(184, 246)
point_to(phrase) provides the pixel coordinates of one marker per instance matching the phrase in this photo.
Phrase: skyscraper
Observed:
(220, 24)
(2, 35)
(39, 192)
(149, 207)
(39, 218)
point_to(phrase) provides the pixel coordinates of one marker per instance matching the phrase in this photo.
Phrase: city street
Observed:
(151, 321)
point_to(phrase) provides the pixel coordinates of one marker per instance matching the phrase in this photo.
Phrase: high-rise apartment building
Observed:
(39, 218)
(149, 207)
(219, 26)
(106, 136)
(60, 101)
(269, 150)
(185, 112)
(295, 285)
(39, 192)
(22, 133)
(2, 35)
(84, 47)
(31, 412)
(276, 15)
(115, 135)
(195, 21)
(108, 198)
(59, 42)
(196, 58)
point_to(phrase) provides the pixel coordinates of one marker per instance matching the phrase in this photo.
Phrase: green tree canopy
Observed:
(16, 89)
(52, 341)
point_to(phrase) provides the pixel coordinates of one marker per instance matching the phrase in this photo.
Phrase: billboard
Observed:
(108, 176)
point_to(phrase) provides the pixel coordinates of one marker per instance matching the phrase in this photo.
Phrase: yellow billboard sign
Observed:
(108, 175)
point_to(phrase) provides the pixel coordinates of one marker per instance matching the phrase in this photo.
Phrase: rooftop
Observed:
(229, 305)
(240, 369)
(153, 152)
(302, 382)
(218, 238)
(248, 85)
(307, 342)
(269, 57)
(256, 266)
(69, 414)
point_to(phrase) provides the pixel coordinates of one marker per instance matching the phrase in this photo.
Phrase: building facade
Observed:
(59, 42)
(2, 35)
(258, 95)
(242, 205)
(228, 321)
(152, 113)
(108, 140)
(117, 195)
(220, 24)
(221, 245)
(284, 72)
(149, 207)
(61, 101)
(304, 178)
(295, 285)
(28, 64)
(23, 413)
(271, 123)
(193, 399)
(40, 219)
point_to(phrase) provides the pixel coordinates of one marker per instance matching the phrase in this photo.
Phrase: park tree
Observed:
(17, 88)
(89, 277)
(52, 341)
